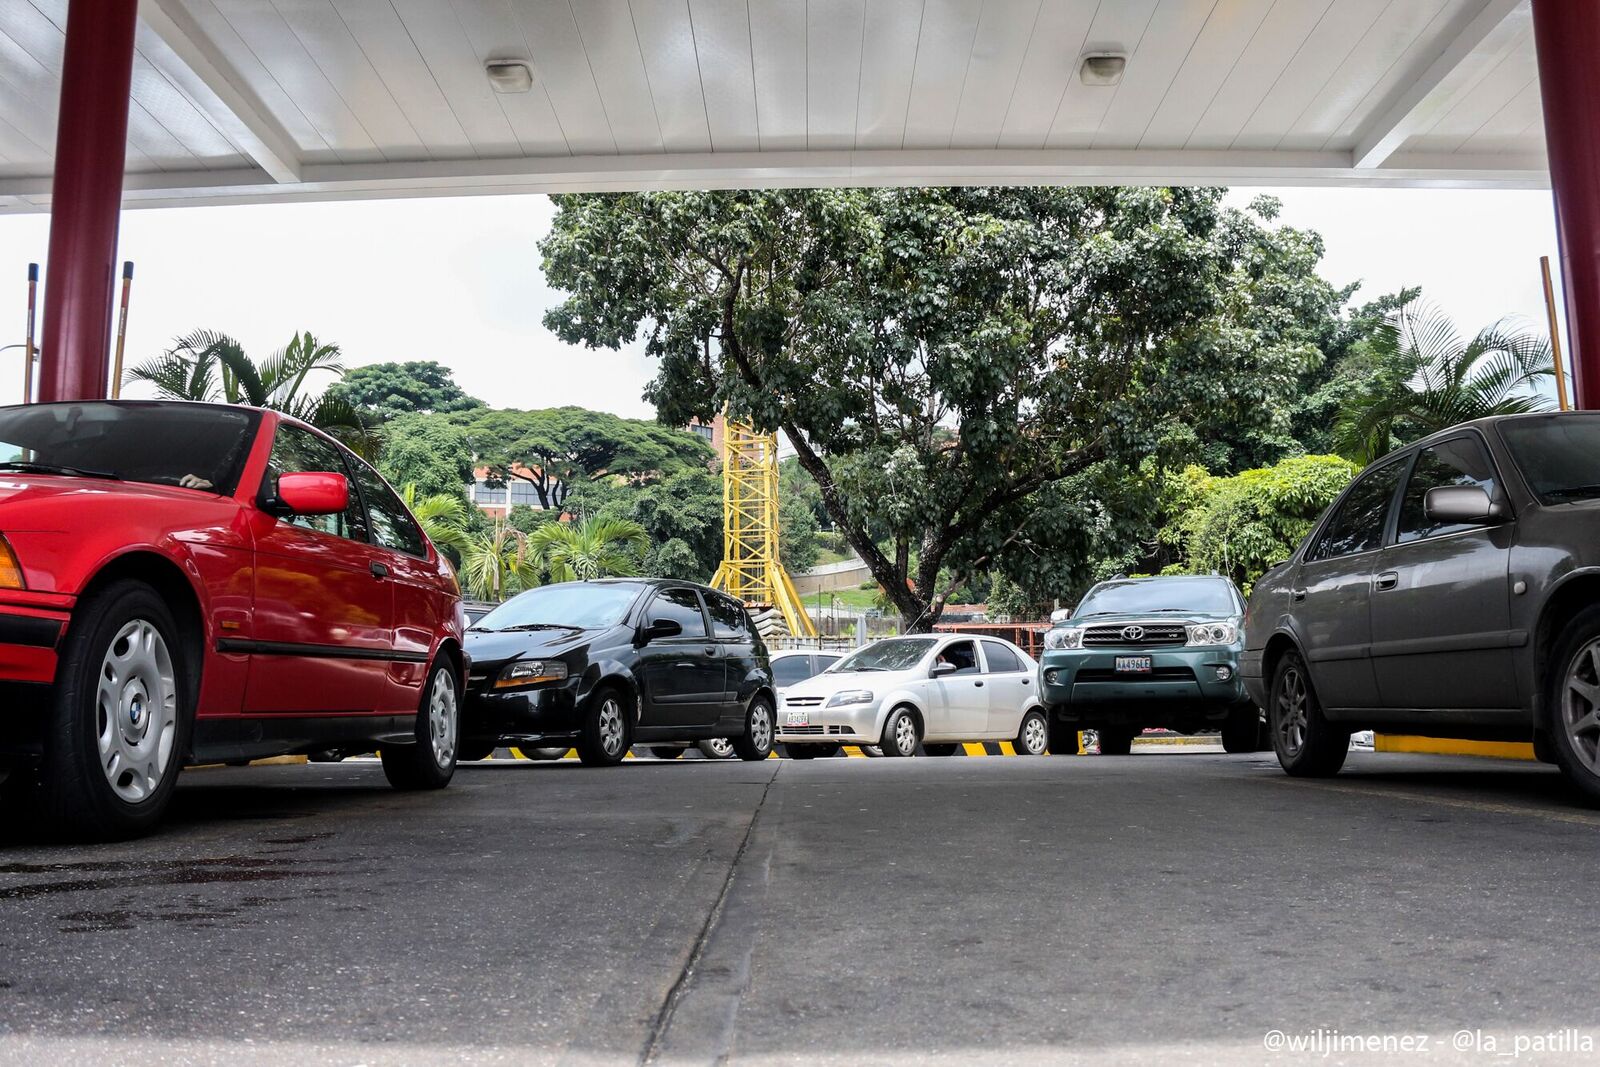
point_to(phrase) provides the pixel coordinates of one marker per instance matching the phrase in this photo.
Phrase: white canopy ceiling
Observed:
(258, 100)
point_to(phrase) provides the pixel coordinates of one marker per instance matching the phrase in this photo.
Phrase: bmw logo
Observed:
(1133, 633)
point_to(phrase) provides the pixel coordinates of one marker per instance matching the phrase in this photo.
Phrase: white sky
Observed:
(458, 280)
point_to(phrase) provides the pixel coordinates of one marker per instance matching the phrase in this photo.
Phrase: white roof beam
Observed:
(1464, 60)
(181, 51)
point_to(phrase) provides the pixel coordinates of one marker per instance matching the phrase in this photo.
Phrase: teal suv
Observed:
(1149, 652)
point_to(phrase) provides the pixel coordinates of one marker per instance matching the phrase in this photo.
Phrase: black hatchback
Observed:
(606, 664)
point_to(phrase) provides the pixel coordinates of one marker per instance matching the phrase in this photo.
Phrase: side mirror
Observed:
(1460, 503)
(661, 628)
(1059, 616)
(942, 669)
(313, 493)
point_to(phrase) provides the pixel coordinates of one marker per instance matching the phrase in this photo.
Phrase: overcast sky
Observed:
(458, 280)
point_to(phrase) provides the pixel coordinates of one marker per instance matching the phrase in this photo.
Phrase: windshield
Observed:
(579, 605)
(1187, 596)
(894, 654)
(1559, 455)
(197, 446)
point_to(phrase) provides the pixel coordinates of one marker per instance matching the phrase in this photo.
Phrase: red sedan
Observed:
(193, 583)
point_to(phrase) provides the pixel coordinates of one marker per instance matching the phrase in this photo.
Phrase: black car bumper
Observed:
(535, 714)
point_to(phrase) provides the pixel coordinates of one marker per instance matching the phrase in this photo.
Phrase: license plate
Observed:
(797, 718)
(1133, 664)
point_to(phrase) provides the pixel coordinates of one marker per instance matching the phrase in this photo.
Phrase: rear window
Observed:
(791, 669)
(1559, 455)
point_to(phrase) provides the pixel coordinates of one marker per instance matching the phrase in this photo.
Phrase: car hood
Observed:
(30, 502)
(826, 684)
(1146, 618)
(488, 647)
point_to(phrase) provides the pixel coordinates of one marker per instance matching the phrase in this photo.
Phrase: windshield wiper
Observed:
(55, 468)
(538, 626)
(1574, 492)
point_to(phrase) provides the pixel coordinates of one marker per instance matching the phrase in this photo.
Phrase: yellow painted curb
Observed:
(1440, 746)
(273, 761)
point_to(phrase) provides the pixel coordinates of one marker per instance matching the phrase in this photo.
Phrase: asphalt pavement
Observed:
(1166, 907)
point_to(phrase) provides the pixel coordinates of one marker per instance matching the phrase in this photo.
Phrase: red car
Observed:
(193, 583)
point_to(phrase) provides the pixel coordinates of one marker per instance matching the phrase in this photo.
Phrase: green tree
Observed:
(1434, 379)
(592, 548)
(798, 501)
(497, 563)
(556, 449)
(388, 390)
(427, 451)
(939, 358)
(213, 367)
(1242, 525)
(681, 514)
(443, 516)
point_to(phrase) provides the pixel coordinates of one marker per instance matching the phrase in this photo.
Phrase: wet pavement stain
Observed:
(123, 874)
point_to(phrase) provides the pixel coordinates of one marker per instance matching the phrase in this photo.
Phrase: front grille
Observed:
(801, 730)
(1160, 674)
(1136, 635)
(801, 702)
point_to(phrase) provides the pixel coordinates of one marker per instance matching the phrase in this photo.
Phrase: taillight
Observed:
(10, 570)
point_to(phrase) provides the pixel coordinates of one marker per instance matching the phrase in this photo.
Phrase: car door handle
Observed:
(378, 570)
(1388, 580)
(710, 650)
(978, 684)
(1025, 681)
(1297, 595)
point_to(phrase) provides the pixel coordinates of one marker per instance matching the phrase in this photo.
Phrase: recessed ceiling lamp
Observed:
(1102, 68)
(509, 75)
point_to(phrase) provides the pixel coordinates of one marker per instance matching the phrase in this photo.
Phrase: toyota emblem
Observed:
(1133, 633)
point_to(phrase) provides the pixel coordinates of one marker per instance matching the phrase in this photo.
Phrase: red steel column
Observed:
(1567, 35)
(86, 198)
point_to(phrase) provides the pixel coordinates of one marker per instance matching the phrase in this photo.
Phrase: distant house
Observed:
(516, 493)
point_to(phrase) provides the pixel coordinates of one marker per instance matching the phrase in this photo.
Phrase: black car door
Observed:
(683, 674)
(736, 639)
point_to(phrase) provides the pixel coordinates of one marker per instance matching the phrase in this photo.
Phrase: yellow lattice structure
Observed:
(751, 567)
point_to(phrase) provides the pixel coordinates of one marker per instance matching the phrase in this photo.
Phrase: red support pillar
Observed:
(86, 198)
(1567, 35)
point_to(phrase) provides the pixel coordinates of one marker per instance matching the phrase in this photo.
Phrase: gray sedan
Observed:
(1453, 590)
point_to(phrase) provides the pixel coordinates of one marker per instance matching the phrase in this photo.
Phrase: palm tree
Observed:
(209, 366)
(443, 516)
(594, 548)
(498, 563)
(1435, 380)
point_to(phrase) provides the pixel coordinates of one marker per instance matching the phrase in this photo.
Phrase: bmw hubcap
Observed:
(1291, 712)
(442, 718)
(611, 726)
(136, 711)
(1580, 706)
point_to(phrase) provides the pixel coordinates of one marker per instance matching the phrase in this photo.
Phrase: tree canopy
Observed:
(387, 390)
(943, 358)
(430, 453)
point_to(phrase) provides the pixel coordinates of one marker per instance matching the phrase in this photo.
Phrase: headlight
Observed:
(531, 672)
(1066, 637)
(10, 569)
(850, 696)
(1213, 633)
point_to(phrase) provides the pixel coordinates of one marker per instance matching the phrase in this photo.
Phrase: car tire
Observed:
(607, 729)
(1241, 731)
(431, 761)
(1033, 736)
(1116, 741)
(760, 727)
(473, 751)
(939, 749)
(716, 748)
(900, 734)
(665, 751)
(1572, 697)
(1307, 744)
(113, 779)
(1063, 739)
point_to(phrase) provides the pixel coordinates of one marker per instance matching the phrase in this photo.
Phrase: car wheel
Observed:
(607, 729)
(759, 728)
(900, 733)
(939, 749)
(1033, 738)
(1573, 697)
(871, 751)
(1308, 745)
(1241, 730)
(123, 709)
(1063, 739)
(430, 763)
(1116, 742)
(665, 751)
(716, 748)
(470, 751)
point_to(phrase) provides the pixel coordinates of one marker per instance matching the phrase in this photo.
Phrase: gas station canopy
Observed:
(261, 100)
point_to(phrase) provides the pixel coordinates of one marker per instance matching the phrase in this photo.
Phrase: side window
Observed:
(392, 526)
(298, 451)
(963, 654)
(824, 662)
(1358, 524)
(728, 619)
(682, 606)
(1001, 659)
(791, 669)
(1459, 462)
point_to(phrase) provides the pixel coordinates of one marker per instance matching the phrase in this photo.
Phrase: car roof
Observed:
(1484, 424)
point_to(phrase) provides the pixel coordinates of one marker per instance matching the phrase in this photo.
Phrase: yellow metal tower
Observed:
(751, 568)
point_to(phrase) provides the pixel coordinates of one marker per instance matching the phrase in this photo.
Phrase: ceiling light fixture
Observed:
(509, 75)
(1102, 68)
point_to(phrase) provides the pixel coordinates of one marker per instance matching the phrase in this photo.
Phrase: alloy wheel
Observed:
(1035, 735)
(905, 735)
(1292, 711)
(760, 726)
(136, 711)
(442, 717)
(611, 726)
(1580, 705)
(719, 748)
